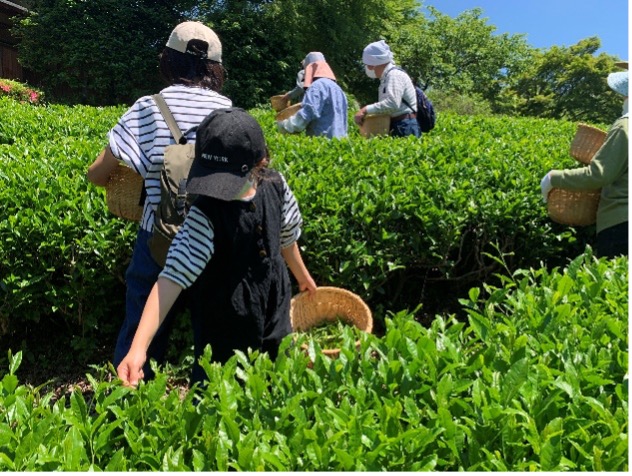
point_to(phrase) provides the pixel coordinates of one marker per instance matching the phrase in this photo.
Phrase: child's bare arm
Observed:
(294, 260)
(160, 300)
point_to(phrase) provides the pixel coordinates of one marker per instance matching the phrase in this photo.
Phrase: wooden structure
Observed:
(10, 68)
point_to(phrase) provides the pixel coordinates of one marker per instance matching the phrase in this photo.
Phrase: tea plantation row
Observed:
(536, 381)
(388, 219)
(529, 373)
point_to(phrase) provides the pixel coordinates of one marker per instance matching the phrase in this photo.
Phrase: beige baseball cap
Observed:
(193, 30)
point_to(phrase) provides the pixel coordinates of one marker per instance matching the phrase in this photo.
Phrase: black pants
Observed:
(613, 241)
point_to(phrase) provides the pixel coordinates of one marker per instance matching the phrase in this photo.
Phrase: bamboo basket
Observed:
(278, 103)
(288, 112)
(573, 207)
(375, 125)
(328, 305)
(123, 193)
(587, 141)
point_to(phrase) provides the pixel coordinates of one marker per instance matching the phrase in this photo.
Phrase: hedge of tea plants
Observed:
(385, 218)
(535, 380)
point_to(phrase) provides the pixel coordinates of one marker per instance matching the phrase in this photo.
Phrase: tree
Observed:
(97, 52)
(462, 55)
(568, 83)
(264, 41)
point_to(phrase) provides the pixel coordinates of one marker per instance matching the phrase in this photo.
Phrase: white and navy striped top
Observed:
(192, 248)
(141, 135)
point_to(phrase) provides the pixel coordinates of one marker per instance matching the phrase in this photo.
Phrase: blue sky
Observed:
(552, 22)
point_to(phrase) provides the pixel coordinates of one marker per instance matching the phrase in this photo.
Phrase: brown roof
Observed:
(7, 11)
(14, 5)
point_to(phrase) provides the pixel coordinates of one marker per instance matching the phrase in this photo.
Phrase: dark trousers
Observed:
(613, 241)
(405, 127)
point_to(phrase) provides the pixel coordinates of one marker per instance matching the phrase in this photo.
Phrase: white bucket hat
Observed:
(618, 82)
(377, 53)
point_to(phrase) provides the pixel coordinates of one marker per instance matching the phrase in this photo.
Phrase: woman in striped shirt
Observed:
(232, 251)
(191, 63)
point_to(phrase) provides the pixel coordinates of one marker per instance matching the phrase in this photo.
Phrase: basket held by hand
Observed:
(328, 305)
(288, 112)
(375, 125)
(278, 103)
(573, 207)
(123, 193)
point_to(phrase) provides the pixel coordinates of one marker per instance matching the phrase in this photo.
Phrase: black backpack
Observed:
(426, 116)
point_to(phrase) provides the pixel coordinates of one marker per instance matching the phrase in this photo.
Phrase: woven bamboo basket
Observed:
(586, 142)
(123, 192)
(375, 125)
(328, 305)
(573, 207)
(288, 112)
(278, 103)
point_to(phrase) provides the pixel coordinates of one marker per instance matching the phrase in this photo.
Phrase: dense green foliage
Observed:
(567, 83)
(536, 381)
(105, 52)
(385, 218)
(97, 51)
(264, 42)
(62, 255)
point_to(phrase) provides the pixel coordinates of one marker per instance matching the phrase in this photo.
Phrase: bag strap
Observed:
(169, 119)
(403, 100)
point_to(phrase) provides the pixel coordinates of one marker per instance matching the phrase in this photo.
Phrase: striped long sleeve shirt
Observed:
(192, 247)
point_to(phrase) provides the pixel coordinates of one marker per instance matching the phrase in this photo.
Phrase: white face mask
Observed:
(370, 72)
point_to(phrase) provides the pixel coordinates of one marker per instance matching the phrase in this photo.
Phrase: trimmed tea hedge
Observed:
(536, 381)
(384, 218)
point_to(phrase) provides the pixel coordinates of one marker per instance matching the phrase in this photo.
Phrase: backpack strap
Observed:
(404, 100)
(169, 119)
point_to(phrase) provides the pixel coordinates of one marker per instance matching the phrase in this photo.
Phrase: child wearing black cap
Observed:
(231, 251)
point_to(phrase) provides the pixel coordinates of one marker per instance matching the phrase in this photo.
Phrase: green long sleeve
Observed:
(608, 171)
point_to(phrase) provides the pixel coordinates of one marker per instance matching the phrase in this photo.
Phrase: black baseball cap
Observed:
(228, 144)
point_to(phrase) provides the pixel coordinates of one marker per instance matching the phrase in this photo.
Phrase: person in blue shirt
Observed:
(323, 110)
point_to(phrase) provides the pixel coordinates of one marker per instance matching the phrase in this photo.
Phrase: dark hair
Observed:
(259, 172)
(191, 70)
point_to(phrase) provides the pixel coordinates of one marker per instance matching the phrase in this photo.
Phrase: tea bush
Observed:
(529, 374)
(383, 217)
(387, 216)
(62, 256)
(535, 381)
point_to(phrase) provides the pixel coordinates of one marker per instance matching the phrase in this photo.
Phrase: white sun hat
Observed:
(618, 82)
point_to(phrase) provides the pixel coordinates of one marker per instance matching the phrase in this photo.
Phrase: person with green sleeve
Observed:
(608, 171)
